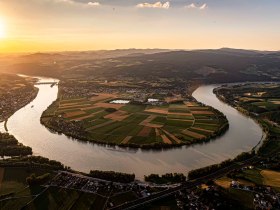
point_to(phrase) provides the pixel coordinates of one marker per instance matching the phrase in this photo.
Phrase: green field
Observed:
(14, 179)
(131, 124)
(59, 198)
(261, 101)
(14, 191)
(16, 194)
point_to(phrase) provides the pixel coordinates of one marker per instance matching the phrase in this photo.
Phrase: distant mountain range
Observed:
(222, 65)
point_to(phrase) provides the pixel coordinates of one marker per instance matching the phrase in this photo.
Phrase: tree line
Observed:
(112, 176)
(166, 178)
(9, 146)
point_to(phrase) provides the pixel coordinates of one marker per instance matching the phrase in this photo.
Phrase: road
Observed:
(187, 185)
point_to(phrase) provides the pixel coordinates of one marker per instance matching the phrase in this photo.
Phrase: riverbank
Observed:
(88, 156)
(9, 146)
(15, 93)
(147, 123)
(267, 126)
(268, 147)
(5, 125)
(76, 130)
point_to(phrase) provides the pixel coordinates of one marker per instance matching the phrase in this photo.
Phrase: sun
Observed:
(2, 29)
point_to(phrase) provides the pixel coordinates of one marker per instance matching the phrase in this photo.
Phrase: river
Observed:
(243, 135)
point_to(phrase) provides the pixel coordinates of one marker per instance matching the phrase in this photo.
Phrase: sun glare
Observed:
(2, 29)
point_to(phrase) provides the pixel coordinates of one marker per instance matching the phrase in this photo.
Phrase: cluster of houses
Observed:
(71, 128)
(264, 196)
(14, 99)
(135, 94)
(263, 202)
(201, 199)
(211, 197)
(101, 187)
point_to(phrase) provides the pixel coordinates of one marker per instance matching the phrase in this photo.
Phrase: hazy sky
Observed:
(51, 25)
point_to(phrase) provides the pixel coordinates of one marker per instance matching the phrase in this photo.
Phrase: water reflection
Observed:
(243, 135)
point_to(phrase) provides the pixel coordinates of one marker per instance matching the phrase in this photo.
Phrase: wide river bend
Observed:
(243, 134)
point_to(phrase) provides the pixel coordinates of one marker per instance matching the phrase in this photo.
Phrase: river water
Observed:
(243, 135)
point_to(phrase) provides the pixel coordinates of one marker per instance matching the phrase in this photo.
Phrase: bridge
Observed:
(45, 83)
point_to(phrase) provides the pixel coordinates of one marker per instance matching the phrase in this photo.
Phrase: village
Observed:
(137, 92)
(105, 189)
(14, 95)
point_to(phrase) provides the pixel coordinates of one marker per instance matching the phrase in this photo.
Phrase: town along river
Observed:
(243, 135)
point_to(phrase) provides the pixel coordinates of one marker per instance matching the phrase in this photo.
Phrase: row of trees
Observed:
(112, 176)
(37, 180)
(32, 161)
(9, 146)
(166, 178)
(197, 173)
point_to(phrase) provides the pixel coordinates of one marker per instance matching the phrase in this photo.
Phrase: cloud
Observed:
(204, 6)
(94, 4)
(194, 6)
(65, 1)
(78, 3)
(191, 6)
(158, 4)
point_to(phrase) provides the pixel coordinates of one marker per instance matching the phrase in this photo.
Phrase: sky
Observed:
(69, 25)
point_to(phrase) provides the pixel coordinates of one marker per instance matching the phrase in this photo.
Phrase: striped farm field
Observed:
(176, 110)
(201, 129)
(136, 124)
(86, 116)
(193, 134)
(210, 127)
(191, 104)
(73, 114)
(172, 137)
(165, 139)
(65, 109)
(117, 115)
(198, 108)
(180, 117)
(100, 125)
(157, 132)
(202, 112)
(126, 140)
(271, 178)
(145, 132)
(77, 100)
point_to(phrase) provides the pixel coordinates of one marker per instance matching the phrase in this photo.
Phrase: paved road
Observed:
(187, 185)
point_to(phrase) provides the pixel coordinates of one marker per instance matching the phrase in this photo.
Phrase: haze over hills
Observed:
(139, 104)
(222, 65)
